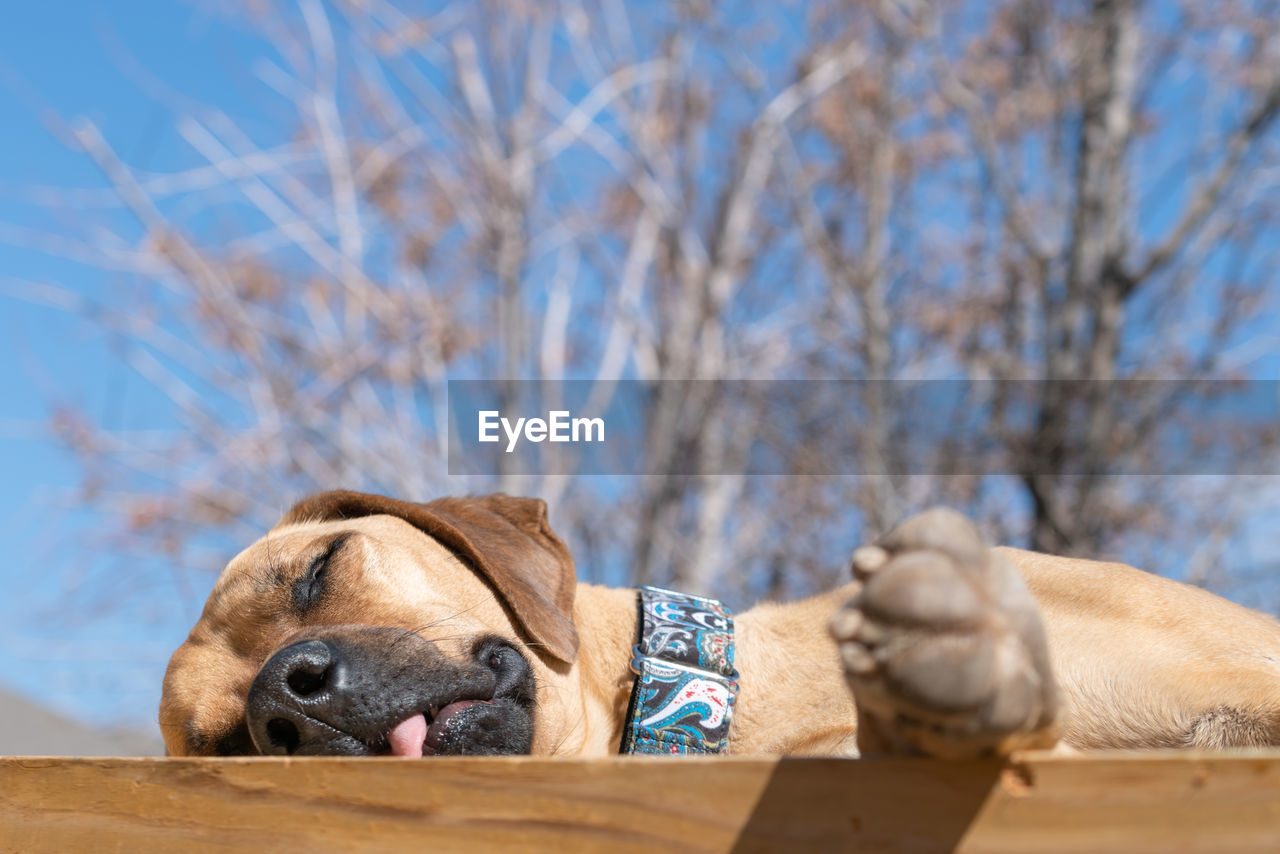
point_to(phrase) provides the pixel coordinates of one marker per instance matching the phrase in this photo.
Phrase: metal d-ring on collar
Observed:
(682, 700)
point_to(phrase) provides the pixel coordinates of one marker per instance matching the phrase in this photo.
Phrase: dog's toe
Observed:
(943, 646)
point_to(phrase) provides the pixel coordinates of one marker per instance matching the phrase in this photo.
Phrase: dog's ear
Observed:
(506, 539)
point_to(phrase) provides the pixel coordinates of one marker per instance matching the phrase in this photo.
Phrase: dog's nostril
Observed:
(308, 679)
(283, 733)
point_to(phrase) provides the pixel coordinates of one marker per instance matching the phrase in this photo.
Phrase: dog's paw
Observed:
(943, 646)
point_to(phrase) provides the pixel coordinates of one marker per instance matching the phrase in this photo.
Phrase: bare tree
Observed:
(563, 191)
(1098, 271)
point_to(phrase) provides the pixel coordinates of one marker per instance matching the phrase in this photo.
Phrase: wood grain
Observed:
(1159, 802)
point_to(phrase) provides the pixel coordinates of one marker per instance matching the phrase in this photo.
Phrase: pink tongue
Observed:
(407, 737)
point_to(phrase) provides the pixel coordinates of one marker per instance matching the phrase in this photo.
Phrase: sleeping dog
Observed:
(364, 625)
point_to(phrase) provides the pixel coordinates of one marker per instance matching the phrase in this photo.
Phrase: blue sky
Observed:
(74, 59)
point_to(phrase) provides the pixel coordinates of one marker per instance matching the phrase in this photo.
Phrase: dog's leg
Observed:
(943, 646)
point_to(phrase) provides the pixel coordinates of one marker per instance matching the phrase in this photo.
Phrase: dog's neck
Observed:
(793, 697)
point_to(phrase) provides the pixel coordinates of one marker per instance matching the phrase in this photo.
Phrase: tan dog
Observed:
(363, 625)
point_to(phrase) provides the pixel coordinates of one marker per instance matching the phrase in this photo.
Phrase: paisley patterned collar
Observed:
(682, 700)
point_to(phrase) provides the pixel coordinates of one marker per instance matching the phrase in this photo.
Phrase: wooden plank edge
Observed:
(1166, 802)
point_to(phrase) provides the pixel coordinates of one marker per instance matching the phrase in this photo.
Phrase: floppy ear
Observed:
(505, 539)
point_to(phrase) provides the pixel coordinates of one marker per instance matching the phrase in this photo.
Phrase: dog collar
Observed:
(682, 699)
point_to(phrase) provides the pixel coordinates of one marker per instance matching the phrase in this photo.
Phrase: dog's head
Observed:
(362, 625)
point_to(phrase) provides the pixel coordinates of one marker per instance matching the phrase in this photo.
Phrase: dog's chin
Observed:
(499, 727)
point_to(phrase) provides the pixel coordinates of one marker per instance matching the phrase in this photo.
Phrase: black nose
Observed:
(292, 696)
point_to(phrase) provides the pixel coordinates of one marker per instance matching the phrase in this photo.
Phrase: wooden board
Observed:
(1170, 802)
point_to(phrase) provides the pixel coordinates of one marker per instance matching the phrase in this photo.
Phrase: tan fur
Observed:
(1148, 662)
(1142, 661)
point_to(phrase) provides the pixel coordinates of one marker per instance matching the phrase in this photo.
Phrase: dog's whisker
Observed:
(417, 631)
(555, 751)
(454, 615)
(446, 638)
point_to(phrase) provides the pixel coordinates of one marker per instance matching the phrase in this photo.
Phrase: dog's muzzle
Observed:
(369, 690)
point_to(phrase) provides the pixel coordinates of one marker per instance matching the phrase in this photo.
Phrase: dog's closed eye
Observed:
(309, 588)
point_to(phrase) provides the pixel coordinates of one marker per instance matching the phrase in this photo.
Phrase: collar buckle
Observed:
(639, 658)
